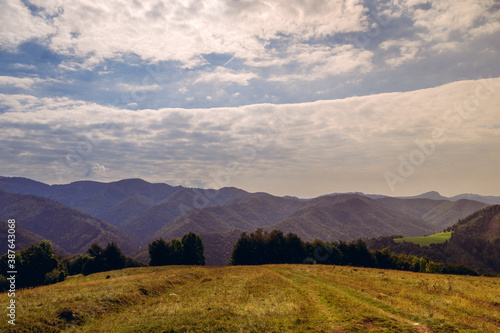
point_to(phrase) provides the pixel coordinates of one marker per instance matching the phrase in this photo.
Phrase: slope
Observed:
(274, 298)
(440, 214)
(23, 239)
(474, 242)
(260, 210)
(68, 228)
(332, 219)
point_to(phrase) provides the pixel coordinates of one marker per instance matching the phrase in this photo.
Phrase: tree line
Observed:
(261, 247)
(38, 265)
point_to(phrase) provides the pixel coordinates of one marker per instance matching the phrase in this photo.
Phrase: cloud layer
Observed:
(303, 149)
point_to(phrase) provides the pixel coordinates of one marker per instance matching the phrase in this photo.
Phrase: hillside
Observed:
(68, 228)
(440, 214)
(25, 239)
(474, 242)
(274, 298)
(332, 219)
(258, 211)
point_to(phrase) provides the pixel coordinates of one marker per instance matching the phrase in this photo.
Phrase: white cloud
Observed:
(18, 82)
(19, 26)
(316, 62)
(330, 145)
(294, 41)
(135, 87)
(178, 30)
(222, 74)
(24, 66)
(407, 51)
(447, 19)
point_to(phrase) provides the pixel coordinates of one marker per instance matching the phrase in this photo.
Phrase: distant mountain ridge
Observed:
(433, 195)
(140, 212)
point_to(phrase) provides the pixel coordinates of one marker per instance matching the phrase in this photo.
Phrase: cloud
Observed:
(252, 46)
(221, 74)
(19, 26)
(23, 66)
(316, 62)
(134, 88)
(405, 51)
(18, 82)
(338, 144)
(181, 31)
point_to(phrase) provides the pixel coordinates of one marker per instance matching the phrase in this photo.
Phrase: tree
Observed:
(113, 257)
(176, 250)
(296, 249)
(36, 265)
(241, 250)
(193, 249)
(276, 248)
(95, 262)
(159, 253)
(35, 262)
(101, 260)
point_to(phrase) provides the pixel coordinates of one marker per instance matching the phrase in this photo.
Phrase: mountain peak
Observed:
(432, 195)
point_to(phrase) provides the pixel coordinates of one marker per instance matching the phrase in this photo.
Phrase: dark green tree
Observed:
(95, 263)
(276, 247)
(159, 253)
(113, 257)
(193, 249)
(296, 249)
(35, 263)
(241, 250)
(176, 252)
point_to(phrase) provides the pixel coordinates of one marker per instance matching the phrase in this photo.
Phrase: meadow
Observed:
(270, 298)
(426, 240)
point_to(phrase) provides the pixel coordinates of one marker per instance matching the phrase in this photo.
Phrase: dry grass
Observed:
(275, 298)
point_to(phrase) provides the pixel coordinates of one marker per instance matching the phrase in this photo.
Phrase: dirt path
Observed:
(349, 294)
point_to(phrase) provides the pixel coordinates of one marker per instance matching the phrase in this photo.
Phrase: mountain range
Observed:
(134, 212)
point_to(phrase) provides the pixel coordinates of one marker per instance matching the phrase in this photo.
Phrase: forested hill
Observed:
(65, 227)
(475, 242)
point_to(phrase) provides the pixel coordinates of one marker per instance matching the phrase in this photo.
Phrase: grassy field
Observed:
(274, 298)
(426, 240)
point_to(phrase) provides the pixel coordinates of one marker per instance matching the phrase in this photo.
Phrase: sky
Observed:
(299, 98)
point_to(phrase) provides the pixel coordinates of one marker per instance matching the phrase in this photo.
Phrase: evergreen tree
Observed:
(241, 251)
(296, 249)
(176, 252)
(276, 248)
(159, 253)
(113, 257)
(193, 249)
(95, 262)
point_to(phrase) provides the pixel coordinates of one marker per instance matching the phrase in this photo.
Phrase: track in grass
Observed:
(375, 315)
